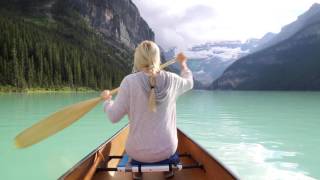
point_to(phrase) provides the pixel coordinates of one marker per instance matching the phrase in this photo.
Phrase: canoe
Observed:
(209, 167)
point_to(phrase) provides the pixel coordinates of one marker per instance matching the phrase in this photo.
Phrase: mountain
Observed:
(251, 44)
(75, 43)
(264, 41)
(118, 20)
(209, 60)
(308, 18)
(290, 64)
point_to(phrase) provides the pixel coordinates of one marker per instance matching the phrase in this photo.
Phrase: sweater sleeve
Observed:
(115, 110)
(185, 82)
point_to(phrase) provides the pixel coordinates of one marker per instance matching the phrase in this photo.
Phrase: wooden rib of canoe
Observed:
(115, 146)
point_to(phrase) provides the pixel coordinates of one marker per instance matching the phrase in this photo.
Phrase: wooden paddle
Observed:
(61, 119)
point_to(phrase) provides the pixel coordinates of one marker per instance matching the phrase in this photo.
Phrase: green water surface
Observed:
(258, 135)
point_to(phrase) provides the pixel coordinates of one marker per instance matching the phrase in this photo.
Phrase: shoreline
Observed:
(11, 89)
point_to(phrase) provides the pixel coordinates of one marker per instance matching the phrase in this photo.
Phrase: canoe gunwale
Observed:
(93, 152)
(219, 162)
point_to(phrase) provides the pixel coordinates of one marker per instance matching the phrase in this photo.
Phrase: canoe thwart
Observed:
(186, 166)
(125, 166)
(120, 157)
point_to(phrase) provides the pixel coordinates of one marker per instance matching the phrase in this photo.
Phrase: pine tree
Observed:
(31, 72)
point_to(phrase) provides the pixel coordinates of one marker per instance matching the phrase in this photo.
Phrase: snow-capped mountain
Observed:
(208, 61)
(224, 50)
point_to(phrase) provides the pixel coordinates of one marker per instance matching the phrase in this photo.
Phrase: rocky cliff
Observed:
(292, 64)
(119, 20)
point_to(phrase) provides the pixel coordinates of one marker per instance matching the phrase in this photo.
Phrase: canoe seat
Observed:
(125, 165)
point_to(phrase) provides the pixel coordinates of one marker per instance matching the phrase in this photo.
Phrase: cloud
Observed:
(174, 24)
(183, 23)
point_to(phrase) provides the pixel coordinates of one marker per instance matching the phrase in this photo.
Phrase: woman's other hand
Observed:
(181, 58)
(106, 95)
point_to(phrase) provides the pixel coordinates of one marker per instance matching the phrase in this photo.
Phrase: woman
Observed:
(148, 97)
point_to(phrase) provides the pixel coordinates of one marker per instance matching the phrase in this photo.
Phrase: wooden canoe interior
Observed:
(212, 170)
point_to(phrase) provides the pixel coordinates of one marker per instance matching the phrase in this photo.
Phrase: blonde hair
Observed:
(147, 56)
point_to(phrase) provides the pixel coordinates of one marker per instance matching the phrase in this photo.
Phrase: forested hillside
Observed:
(53, 43)
(35, 56)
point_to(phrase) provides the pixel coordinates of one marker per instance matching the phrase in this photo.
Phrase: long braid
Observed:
(147, 57)
(152, 94)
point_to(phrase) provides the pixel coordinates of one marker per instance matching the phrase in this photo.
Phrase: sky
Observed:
(184, 23)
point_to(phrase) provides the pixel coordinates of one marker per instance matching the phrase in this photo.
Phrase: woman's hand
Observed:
(181, 58)
(106, 95)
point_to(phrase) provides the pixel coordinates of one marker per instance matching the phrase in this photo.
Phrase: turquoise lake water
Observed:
(258, 135)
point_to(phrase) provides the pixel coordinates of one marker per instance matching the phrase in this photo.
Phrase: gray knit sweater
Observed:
(152, 135)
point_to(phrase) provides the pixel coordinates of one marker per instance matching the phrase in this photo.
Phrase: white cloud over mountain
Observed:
(184, 23)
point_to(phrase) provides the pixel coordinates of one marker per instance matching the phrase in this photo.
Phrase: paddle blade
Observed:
(54, 123)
